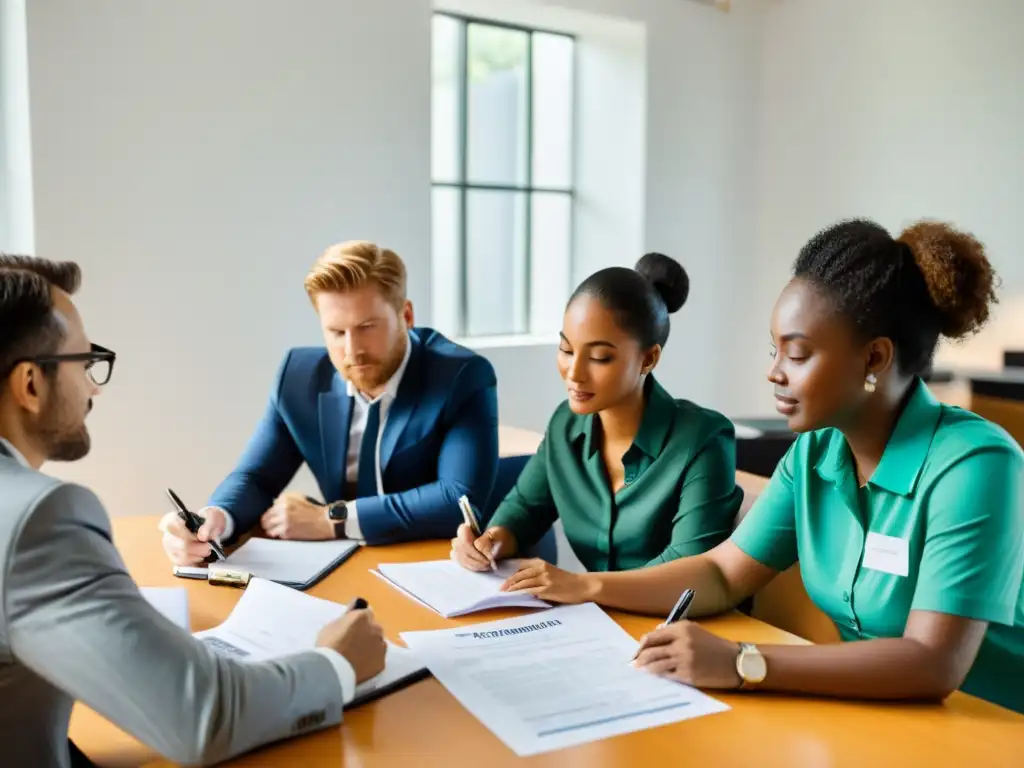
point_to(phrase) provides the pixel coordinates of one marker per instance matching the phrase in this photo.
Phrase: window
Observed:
(503, 103)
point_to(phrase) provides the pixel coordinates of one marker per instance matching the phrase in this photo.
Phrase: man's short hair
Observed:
(30, 327)
(357, 263)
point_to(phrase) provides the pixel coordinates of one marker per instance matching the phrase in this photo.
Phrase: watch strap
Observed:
(337, 513)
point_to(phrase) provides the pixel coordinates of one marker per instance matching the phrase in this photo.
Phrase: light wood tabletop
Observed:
(425, 725)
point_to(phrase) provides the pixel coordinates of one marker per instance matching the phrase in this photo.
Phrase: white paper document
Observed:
(449, 589)
(295, 563)
(554, 679)
(271, 621)
(172, 602)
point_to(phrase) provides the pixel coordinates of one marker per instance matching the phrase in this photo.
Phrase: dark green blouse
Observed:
(680, 494)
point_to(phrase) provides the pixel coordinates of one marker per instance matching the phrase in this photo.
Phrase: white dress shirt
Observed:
(15, 453)
(360, 413)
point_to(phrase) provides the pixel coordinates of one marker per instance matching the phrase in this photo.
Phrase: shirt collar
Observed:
(15, 453)
(905, 453)
(655, 424)
(391, 388)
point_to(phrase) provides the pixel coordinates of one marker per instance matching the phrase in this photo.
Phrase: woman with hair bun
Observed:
(906, 515)
(636, 476)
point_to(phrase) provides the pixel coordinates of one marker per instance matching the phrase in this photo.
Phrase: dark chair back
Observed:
(509, 469)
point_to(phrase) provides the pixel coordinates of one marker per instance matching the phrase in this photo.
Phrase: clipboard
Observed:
(283, 562)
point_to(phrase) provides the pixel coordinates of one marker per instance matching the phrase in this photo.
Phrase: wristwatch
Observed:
(751, 665)
(337, 513)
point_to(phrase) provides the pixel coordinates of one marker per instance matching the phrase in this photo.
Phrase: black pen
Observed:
(678, 613)
(681, 608)
(359, 605)
(193, 522)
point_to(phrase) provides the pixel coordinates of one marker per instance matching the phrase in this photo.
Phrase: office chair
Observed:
(509, 469)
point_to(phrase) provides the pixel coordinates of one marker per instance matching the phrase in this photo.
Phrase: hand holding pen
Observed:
(686, 652)
(358, 637)
(471, 548)
(193, 523)
(678, 613)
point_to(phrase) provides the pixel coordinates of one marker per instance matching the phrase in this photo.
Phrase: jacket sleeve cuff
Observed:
(352, 529)
(346, 675)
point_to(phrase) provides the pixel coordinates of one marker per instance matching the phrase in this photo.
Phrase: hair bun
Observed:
(668, 278)
(959, 277)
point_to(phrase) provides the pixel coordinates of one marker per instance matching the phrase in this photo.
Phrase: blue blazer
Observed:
(440, 441)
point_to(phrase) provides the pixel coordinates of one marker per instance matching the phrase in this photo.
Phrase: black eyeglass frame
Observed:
(98, 354)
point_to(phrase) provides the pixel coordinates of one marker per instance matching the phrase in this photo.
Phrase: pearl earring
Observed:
(870, 383)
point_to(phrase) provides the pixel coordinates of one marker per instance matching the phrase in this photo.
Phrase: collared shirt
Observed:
(15, 453)
(680, 494)
(360, 413)
(938, 527)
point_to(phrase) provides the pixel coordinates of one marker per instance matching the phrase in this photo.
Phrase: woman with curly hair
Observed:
(906, 515)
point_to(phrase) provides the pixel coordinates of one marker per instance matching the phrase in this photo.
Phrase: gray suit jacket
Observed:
(73, 626)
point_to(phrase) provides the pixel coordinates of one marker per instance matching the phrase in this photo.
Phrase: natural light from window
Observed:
(502, 157)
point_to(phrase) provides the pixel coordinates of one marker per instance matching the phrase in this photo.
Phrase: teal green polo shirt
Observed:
(939, 527)
(680, 494)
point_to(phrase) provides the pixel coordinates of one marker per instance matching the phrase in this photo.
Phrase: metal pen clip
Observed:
(226, 577)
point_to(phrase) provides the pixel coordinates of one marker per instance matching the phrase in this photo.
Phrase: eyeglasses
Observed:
(99, 363)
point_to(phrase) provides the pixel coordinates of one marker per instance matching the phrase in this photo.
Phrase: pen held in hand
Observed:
(193, 522)
(468, 516)
(495, 547)
(359, 604)
(678, 613)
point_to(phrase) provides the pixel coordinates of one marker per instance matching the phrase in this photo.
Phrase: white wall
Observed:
(182, 148)
(16, 220)
(195, 157)
(891, 110)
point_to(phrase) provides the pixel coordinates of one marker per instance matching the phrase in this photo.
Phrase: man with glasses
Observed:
(73, 625)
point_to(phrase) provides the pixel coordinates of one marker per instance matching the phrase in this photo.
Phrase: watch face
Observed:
(753, 667)
(337, 512)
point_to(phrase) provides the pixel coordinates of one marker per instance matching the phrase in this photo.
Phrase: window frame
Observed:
(463, 186)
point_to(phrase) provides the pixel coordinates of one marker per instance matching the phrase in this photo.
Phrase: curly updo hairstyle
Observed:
(933, 280)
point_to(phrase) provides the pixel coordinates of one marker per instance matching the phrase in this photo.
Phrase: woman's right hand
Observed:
(481, 553)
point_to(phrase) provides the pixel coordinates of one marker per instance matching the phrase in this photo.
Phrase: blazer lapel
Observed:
(335, 409)
(402, 408)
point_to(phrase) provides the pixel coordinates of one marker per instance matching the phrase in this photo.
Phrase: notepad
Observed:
(271, 621)
(297, 564)
(449, 589)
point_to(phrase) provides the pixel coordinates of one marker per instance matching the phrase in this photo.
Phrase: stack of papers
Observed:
(554, 679)
(271, 621)
(298, 564)
(449, 589)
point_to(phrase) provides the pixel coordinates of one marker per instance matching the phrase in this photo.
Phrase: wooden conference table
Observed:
(426, 726)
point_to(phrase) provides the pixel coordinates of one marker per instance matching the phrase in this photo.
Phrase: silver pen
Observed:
(470, 519)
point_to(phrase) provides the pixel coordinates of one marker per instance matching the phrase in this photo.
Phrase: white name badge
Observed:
(888, 554)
